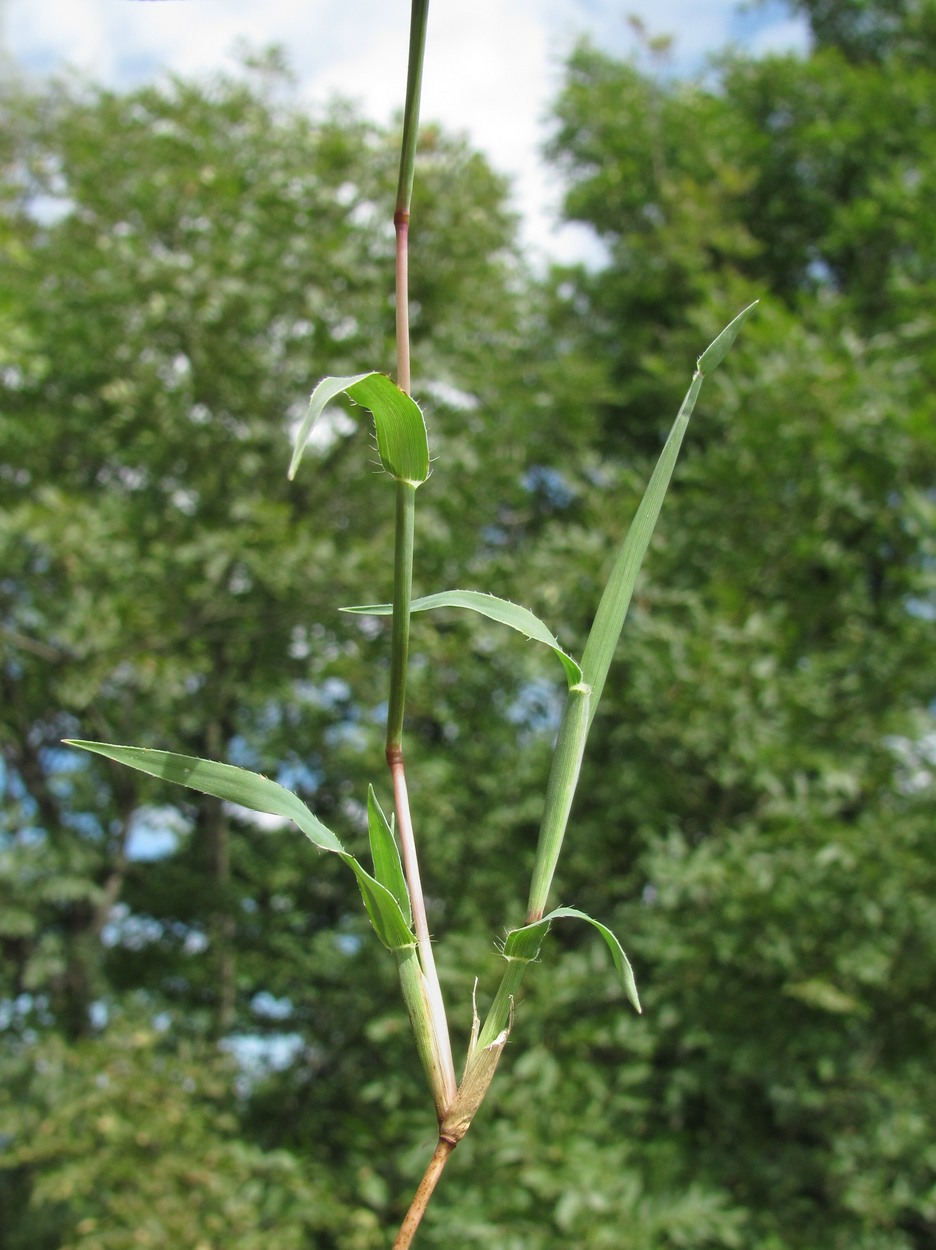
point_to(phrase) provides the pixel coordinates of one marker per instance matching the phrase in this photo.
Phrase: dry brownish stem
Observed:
(404, 1238)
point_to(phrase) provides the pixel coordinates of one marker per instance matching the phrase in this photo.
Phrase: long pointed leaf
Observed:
(260, 794)
(523, 944)
(609, 619)
(402, 442)
(495, 609)
(388, 869)
(224, 781)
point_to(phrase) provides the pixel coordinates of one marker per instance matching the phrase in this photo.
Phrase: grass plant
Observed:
(391, 889)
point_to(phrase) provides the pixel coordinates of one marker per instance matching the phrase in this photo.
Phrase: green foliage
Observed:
(754, 815)
(133, 1142)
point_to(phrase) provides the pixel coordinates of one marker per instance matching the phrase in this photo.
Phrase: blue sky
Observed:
(492, 65)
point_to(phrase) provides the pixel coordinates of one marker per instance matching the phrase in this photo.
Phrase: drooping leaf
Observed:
(495, 609)
(224, 781)
(615, 600)
(386, 855)
(402, 442)
(260, 794)
(524, 944)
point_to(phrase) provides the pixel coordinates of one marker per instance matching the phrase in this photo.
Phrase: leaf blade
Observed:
(260, 794)
(718, 349)
(402, 441)
(615, 600)
(388, 868)
(384, 911)
(502, 611)
(223, 781)
(319, 400)
(524, 943)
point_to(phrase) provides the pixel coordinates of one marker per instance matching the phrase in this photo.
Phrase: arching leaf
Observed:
(260, 794)
(495, 609)
(523, 944)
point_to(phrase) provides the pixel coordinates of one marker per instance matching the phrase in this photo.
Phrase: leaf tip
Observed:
(717, 350)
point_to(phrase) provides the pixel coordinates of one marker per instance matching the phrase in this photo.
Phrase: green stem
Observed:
(401, 215)
(402, 597)
(419, 16)
(401, 226)
(560, 791)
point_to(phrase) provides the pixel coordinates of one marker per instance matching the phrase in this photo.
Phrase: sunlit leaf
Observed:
(717, 350)
(402, 443)
(615, 601)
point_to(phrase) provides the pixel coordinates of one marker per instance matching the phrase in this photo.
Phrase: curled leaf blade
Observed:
(523, 944)
(402, 442)
(319, 400)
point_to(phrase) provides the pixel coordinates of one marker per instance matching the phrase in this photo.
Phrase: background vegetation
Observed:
(202, 1045)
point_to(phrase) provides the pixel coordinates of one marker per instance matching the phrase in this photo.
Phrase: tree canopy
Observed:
(202, 1045)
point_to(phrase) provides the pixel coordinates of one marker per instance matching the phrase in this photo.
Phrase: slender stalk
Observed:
(401, 216)
(404, 1237)
(419, 17)
(437, 1047)
(401, 226)
(443, 1070)
(402, 597)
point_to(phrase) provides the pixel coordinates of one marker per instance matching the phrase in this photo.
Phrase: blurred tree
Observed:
(183, 263)
(132, 1140)
(871, 29)
(756, 808)
(756, 812)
